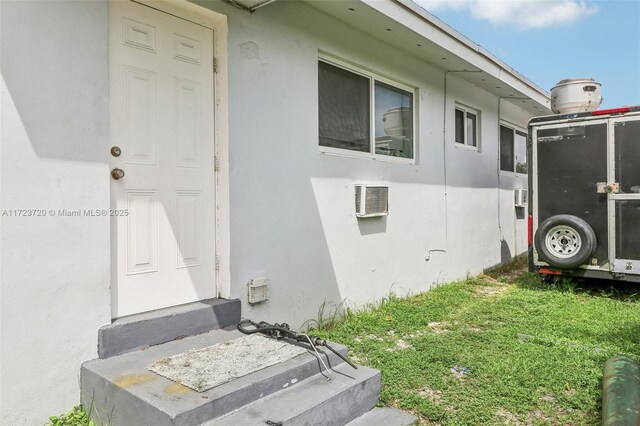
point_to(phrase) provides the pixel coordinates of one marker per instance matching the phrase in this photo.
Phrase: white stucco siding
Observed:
(292, 208)
(54, 270)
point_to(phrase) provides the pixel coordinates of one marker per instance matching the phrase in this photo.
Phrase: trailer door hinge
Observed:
(216, 163)
(215, 65)
(217, 263)
(607, 188)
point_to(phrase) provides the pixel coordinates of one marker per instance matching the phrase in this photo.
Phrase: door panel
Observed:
(627, 202)
(161, 88)
(627, 156)
(570, 162)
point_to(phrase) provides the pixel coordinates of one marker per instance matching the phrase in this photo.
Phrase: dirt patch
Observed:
(508, 273)
(438, 327)
(548, 398)
(373, 337)
(537, 417)
(434, 396)
(488, 291)
(400, 345)
(507, 417)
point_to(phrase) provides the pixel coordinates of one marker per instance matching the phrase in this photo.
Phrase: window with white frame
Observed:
(467, 120)
(363, 113)
(513, 150)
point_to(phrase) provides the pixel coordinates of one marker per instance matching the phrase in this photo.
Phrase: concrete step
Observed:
(316, 401)
(384, 416)
(139, 331)
(123, 392)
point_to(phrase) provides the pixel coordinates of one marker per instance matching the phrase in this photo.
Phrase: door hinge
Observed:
(217, 263)
(215, 65)
(216, 163)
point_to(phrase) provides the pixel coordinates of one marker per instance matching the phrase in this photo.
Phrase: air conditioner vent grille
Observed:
(372, 200)
(258, 290)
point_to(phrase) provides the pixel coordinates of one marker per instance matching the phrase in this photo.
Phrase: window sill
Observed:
(513, 174)
(336, 152)
(466, 147)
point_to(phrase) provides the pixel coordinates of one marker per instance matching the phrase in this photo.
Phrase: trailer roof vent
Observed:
(372, 200)
(575, 95)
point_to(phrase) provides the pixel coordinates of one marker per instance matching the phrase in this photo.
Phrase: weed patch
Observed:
(501, 348)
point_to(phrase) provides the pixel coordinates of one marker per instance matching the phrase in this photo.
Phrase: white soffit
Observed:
(405, 25)
(252, 4)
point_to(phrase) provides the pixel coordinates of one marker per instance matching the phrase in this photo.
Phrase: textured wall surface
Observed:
(54, 147)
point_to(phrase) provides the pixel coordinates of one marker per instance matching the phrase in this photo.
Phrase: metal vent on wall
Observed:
(258, 290)
(372, 200)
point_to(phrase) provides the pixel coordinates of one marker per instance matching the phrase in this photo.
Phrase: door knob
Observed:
(117, 173)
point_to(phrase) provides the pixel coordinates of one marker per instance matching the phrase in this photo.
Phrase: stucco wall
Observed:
(54, 146)
(292, 208)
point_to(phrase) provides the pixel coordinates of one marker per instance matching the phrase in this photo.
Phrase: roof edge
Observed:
(431, 19)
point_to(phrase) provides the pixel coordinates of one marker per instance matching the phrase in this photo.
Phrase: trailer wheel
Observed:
(565, 241)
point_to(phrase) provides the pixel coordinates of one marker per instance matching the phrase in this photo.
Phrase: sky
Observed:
(550, 40)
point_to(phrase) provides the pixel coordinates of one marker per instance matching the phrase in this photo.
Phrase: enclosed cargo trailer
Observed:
(584, 194)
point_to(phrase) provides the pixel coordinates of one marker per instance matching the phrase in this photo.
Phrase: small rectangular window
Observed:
(506, 149)
(459, 126)
(513, 150)
(344, 111)
(393, 121)
(353, 104)
(471, 129)
(466, 127)
(521, 152)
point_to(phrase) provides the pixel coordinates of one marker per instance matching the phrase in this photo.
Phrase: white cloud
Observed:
(522, 14)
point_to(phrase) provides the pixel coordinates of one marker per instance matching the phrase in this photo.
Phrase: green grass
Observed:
(77, 416)
(531, 352)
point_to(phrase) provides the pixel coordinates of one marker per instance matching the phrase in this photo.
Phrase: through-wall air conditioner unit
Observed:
(521, 197)
(372, 200)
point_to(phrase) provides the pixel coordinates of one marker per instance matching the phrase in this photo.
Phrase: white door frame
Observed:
(218, 23)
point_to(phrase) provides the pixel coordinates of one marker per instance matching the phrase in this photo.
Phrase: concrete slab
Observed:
(123, 392)
(206, 368)
(314, 402)
(384, 416)
(163, 325)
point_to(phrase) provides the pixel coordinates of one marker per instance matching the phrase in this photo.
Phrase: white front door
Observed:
(163, 228)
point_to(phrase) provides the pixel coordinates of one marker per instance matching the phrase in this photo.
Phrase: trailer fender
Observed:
(565, 241)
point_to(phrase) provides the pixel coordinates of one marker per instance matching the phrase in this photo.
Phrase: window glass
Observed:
(471, 129)
(521, 152)
(343, 108)
(506, 149)
(393, 121)
(459, 126)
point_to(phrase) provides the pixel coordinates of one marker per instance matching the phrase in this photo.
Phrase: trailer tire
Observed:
(565, 241)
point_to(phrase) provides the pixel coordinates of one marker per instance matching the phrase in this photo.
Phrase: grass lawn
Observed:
(502, 348)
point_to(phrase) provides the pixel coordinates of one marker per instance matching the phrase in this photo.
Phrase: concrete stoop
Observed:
(140, 331)
(384, 416)
(119, 390)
